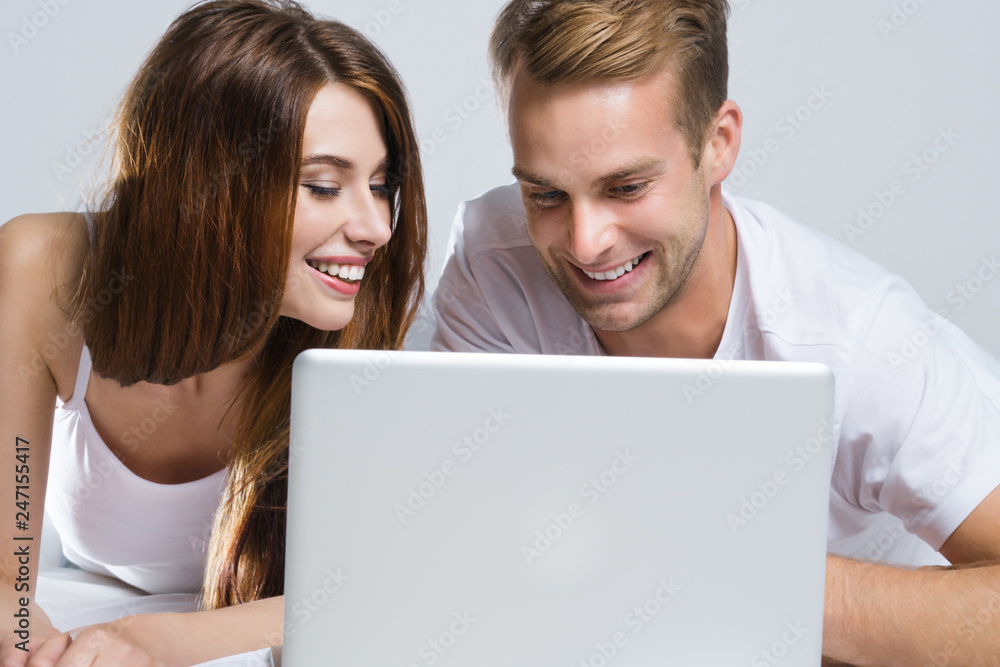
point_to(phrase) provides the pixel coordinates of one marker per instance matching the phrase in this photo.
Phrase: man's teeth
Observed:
(616, 273)
(342, 271)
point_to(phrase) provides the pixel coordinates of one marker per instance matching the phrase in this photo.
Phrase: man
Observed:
(618, 239)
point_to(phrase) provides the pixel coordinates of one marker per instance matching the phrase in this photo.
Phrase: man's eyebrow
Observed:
(332, 160)
(631, 169)
(522, 174)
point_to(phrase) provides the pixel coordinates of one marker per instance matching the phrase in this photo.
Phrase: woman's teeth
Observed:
(614, 274)
(349, 272)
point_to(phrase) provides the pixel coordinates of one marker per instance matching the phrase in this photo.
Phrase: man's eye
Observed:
(547, 198)
(630, 191)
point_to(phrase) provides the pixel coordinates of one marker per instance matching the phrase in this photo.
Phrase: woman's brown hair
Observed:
(200, 212)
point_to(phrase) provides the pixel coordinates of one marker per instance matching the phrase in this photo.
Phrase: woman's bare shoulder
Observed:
(33, 236)
(41, 262)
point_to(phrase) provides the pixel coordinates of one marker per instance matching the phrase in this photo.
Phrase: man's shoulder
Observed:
(493, 220)
(787, 243)
(824, 293)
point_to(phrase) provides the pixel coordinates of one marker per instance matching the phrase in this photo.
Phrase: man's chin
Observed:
(613, 318)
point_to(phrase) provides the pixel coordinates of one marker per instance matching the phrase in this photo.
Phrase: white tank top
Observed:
(113, 522)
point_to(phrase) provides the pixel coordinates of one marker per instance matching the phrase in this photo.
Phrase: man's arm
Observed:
(880, 615)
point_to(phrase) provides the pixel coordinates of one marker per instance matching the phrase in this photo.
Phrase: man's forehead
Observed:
(522, 87)
(598, 130)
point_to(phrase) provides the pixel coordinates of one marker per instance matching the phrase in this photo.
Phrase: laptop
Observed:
(495, 510)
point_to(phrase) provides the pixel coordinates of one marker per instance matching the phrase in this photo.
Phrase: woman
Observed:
(266, 198)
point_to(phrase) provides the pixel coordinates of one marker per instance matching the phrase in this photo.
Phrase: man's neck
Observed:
(691, 326)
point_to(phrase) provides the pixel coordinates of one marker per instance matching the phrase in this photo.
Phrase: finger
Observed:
(10, 655)
(46, 654)
(82, 650)
(101, 647)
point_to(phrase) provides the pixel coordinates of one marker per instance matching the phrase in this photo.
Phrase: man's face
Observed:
(615, 207)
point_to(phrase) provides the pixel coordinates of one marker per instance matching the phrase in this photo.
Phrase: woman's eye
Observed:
(381, 190)
(322, 191)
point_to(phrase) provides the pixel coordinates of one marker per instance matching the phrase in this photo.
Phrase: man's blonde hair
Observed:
(561, 42)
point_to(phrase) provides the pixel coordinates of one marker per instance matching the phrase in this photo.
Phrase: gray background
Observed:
(893, 77)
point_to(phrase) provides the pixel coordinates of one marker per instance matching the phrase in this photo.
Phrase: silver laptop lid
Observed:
(483, 510)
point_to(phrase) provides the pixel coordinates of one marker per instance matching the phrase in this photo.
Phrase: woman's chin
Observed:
(327, 323)
(324, 321)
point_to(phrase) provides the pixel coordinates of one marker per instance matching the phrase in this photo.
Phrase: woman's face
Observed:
(342, 213)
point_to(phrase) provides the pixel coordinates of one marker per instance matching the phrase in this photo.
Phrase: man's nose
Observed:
(592, 232)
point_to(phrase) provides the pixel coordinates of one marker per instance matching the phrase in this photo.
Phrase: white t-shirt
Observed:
(917, 403)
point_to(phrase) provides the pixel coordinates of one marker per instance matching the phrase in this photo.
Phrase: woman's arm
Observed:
(173, 640)
(36, 256)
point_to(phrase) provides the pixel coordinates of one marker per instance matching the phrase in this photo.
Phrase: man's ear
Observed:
(723, 142)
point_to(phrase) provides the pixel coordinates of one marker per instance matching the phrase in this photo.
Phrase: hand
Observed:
(105, 645)
(40, 631)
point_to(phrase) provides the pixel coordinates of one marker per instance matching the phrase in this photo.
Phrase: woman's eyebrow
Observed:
(339, 162)
(332, 160)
